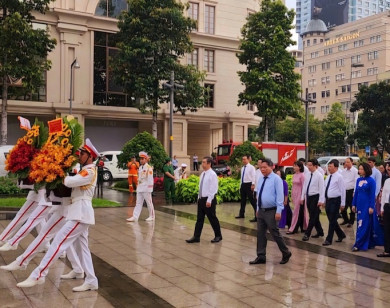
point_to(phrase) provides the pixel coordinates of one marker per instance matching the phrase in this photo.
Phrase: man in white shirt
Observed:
(247, 186)
(350, 176)
(334, 199)
(376, 175)
(207, 202)
(313, 194)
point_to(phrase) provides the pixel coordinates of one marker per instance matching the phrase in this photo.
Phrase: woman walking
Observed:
(285, 218)
(300, 217)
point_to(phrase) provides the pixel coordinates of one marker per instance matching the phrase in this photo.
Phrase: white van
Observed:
(4, 151)
(324, 161)
(111, 170)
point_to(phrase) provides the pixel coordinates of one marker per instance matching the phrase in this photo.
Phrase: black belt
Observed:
(313, 195)
(266, 209)
(203, 198)
(335, 198)
(351, 189)
(56, 203)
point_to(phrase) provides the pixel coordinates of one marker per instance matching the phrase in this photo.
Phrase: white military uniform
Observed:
(75, 231)
(144, 191)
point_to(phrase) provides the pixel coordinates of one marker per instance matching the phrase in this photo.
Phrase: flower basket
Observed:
(61, 191)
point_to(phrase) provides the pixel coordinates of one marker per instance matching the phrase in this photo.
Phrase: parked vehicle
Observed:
(111, 170)
(283, 154)
(4, 150)
(324, 161)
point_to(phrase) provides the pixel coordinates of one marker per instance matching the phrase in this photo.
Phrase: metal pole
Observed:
(71, 89)
(171, 114)
(307, 127)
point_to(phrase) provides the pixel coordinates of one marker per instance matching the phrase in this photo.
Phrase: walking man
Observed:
(313, 194)
(270, 199)
(207, 202)
(334, 198)
(144, 190)
(247, 186)
(350, 176)
(169, 181)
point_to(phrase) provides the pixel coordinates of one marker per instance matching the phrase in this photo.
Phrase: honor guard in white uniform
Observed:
(75, 231)
(144, 189)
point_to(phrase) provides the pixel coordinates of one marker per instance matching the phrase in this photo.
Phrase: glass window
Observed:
(209, 99)
(209, 19)
(192, 58)
(110, 8)
(209, 60)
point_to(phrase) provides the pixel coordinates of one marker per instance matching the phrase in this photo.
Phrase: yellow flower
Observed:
(29, 141)
(68, 133)
(64, 141)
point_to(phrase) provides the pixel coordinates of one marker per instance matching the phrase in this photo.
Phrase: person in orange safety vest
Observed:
(133, 167)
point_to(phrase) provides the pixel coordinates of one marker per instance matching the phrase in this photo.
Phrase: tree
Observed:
(293, 130)
(23, 49)
(244, 149)
(270, 81)
(373, 105)
(152, 37)
(334, 130)
(143, 142)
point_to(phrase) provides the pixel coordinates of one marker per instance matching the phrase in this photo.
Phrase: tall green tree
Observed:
(23, 49)
(293, 130)
(334, 130)
(373, 105)
(153, 36)
(270, 81)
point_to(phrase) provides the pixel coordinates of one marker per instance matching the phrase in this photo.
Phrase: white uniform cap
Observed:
(183, 165)
(89, 147)
(143, 154)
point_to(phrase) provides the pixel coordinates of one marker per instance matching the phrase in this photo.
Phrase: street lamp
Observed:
(172, 86)
(74, 65)
(307, 101)
(353, 65)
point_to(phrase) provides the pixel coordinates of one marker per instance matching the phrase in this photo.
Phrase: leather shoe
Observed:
(193, 240)
(290, 232)
(340, 239)
(349, 226)
(258, 260)
(326, 243)
(216, 239)
(239, 216)
(344, 223)
(305, 238)
(286, 258)
(253, 220)
(317, 235)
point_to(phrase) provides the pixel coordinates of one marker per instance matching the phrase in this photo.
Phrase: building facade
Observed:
(338, 62)
(85, 29)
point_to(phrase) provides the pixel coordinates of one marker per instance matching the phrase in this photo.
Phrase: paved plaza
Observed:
(149, 264)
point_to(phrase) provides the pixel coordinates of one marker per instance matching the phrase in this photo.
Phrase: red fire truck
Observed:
(282, 154)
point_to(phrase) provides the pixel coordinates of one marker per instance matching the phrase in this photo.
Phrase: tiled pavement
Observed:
(148, 264)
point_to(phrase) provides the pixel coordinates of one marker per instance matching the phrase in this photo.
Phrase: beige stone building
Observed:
(84, 29)
(338, 62)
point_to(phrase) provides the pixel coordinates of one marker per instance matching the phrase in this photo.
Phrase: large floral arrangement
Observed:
(57, 155)
(19, 159)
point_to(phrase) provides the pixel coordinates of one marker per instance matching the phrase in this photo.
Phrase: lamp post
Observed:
(347, 125)
(307, 101)
(172, 86)
(74, 65)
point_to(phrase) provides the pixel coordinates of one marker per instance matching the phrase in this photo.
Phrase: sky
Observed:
(291, 5)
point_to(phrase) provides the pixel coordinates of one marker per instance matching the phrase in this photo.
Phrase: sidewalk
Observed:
(149, 264)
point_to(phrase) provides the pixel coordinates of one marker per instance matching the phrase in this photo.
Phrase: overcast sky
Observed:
(291, 5)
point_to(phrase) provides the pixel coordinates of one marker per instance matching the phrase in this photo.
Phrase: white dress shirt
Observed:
(350, 177)
(250, 174)
(306, 170)
(316, 185)
(209, 183)
(320, 170)
(385, 194)
(259, 175)
(377, 176)
(336, 187)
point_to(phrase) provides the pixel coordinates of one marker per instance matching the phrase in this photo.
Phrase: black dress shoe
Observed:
(305, 238)
(193, 240)
(317, 235)
(290, 232)
(239, 216)
(344, 223)
(286, 258)
(253, 220)
(326, 243)
(349, 226)
(383, 255)
(340, 239)
(258, 260)
(216, 239)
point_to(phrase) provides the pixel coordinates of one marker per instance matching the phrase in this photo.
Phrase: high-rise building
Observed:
(336, 12)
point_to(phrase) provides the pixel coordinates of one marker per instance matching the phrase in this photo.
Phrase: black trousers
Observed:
(266, 220)
(348, 204)
(314, 215)
(211, 215)
(301, 218)
(246, 193)
(386, 226)
(332, 208)
(195, 165)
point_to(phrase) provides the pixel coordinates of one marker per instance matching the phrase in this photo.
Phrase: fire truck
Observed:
(283, 154)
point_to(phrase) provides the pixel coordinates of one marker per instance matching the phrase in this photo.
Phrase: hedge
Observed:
(8, 186)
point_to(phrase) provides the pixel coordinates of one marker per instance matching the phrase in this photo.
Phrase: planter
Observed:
(61, 191)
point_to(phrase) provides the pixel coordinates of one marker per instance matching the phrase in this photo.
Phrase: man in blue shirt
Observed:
(270, 197)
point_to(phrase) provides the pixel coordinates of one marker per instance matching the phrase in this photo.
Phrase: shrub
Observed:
(8, 186)
(122, 184)
(187, 190)
(241, 150)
